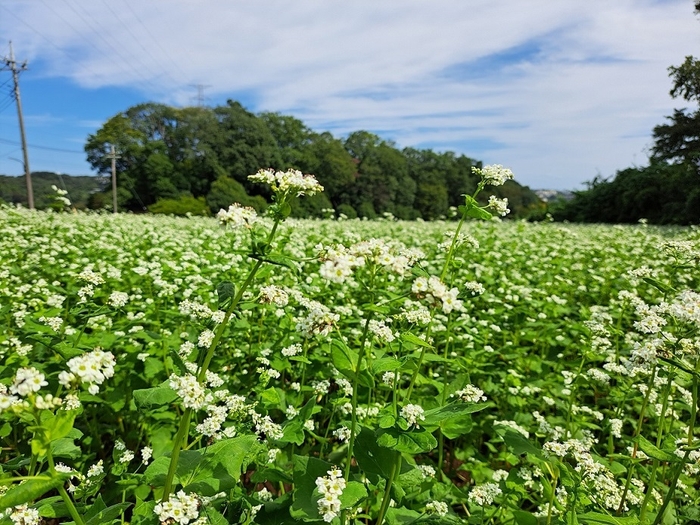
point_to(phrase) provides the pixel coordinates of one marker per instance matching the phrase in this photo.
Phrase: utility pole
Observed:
(11, 64)
(113, 155)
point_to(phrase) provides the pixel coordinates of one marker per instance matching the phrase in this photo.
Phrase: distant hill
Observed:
(13, 190)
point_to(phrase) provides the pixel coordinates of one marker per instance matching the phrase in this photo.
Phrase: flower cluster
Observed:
(181, 508)
(435, 291)
(500, 206)
(330, 487)
(192, 393)
(288, 182)
(91, 368)
(483, 495)
(412, 414)
(470, 394)
(438, 508)
(493, 174)
(237, 216)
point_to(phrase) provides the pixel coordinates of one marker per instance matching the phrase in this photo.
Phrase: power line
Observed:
(155, 40)
(100, 36)
(136, 39)
(60, 150)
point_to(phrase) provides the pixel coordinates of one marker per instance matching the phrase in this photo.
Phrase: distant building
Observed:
(554, 195)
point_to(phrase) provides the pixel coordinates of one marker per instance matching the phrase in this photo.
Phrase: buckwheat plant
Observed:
(257, 369)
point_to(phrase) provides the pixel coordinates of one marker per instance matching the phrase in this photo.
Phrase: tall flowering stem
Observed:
(286, 185)
(495, 175)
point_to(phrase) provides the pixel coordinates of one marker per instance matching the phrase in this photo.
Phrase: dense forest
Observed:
(667, 191)
(197, 160)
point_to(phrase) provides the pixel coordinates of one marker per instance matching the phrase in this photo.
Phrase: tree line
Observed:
(667, 191)
(197, 160)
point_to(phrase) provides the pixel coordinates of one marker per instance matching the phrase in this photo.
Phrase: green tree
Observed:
(679, 140)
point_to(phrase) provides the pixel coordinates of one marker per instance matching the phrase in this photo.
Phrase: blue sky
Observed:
(558, 91)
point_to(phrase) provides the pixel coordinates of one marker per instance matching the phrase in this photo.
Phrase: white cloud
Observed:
(556, 90)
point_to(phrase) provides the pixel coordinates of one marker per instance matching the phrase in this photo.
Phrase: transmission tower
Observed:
(200, 93)
(11, 65)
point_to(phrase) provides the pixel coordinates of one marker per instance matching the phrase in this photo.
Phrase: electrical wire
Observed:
(154, 39)
(136, 39)
(59, 150)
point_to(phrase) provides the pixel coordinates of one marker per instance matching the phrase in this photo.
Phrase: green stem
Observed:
(630, 471)
(387, 491)
(64, 494)
(671, 489)
(694, 406)
(355, 384)
(656, 462)
(184, 427)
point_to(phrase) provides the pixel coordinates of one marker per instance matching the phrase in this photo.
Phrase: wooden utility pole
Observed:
(11, 64)
(113, 155)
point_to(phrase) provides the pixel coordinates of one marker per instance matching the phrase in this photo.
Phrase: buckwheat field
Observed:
(265, 370)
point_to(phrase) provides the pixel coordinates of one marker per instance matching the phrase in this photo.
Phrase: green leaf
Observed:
(31, 489)
(285, 209)
(597, 517)
(524, 518)
(518, 443)
(65, 448)
(680, 365)
(653, 451)
(409, 441)
(479, 213)
(293, 432)
(226, 291)
(281, 260)
(372, 457)
(154, 397)
(214, 517)
(454, 427)
(408, 337)
(53, 507)
(306, 470)
(353, 493)
(344, 358)
(385, 364)
(60, 425)
(436, 415)
(663, 288)
(221, 466)
(108, 514)
(401, 516)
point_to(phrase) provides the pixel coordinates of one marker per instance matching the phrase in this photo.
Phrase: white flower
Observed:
(237, 216)
(331, 488)
(181, 508)
(500, 206)
(412, 414)
(494, 174)
(54, 322)
(146, 454)
(484, 494)
(288, 182)
(470, 394)
(27, 381)
(205, 339)
(191, 392)
(342, 434)
(118, 299)
(439, 508)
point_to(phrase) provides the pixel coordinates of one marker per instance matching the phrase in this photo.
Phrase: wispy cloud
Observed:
(556, 90)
